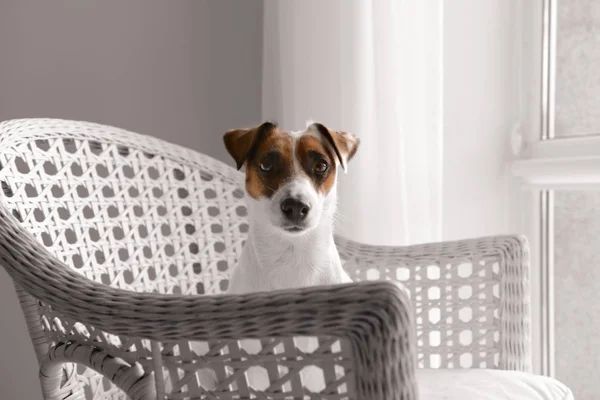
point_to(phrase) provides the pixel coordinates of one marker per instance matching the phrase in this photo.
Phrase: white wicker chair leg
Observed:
(131, 379)
(30, 306)
(59, 382)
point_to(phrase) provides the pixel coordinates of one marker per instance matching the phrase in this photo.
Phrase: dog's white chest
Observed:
(286, 269)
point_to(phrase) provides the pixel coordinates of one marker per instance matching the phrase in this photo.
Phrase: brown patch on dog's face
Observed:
(273, 158)
(241, 144)
(317, 162)
(270, 165)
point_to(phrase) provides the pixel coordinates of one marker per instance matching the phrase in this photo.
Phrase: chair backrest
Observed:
(124, 209)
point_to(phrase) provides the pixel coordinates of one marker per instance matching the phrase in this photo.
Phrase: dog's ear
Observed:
(241, 143)
(344, 144)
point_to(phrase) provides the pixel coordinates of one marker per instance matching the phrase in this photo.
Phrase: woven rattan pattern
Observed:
(138, 214)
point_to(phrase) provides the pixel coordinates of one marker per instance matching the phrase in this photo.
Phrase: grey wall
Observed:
(183, 70)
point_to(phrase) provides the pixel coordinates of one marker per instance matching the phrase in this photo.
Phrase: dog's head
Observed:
(291, 176)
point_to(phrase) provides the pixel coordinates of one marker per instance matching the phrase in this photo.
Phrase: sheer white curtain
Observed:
(373, 68)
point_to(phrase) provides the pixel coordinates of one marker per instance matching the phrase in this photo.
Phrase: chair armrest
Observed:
(497, 272)
(376, 318)
(511, 246)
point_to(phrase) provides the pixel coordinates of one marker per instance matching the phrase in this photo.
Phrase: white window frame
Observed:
(544, 164)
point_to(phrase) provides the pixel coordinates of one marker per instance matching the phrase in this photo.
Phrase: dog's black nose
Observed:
(294, 209)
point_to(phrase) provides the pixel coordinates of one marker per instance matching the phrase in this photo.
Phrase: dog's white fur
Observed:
(274, 259)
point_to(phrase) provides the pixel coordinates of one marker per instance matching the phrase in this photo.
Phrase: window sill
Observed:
(558, 172)
(569, 163)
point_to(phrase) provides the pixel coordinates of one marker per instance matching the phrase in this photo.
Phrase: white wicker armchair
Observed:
(120, 246)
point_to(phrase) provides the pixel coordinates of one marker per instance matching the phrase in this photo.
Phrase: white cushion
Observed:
(488, 384)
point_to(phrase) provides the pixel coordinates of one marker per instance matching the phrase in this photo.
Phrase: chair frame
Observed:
(378, 320)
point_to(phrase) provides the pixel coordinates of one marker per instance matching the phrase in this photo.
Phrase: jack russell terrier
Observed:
(291, 186)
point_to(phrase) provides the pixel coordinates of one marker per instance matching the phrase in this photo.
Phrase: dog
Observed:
(291, 186)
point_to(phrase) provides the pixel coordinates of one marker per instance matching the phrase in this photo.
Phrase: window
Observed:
(559, 169)
(577, 62)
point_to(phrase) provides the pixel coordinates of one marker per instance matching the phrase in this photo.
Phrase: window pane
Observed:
(577, 291)
(577, 107)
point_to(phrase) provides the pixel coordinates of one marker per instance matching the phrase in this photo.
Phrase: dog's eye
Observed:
(320, 167)
(270, 162)
(266, 166)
